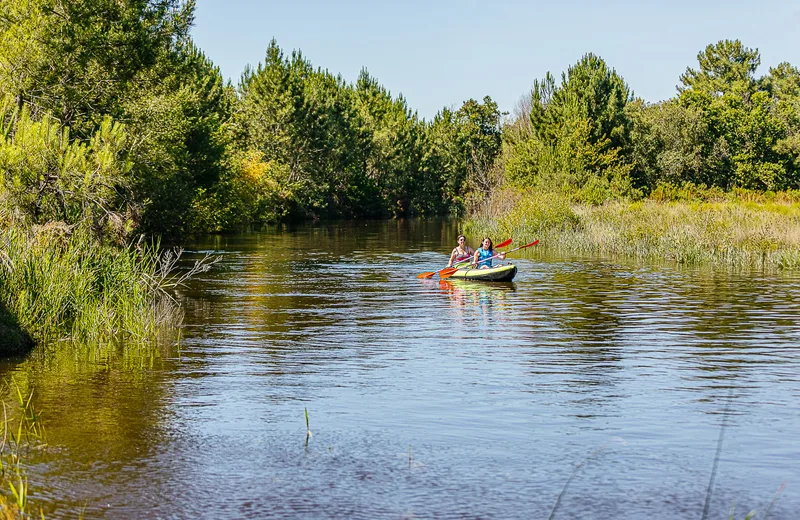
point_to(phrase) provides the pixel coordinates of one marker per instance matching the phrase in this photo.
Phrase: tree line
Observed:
(725, 129)
(114, 120)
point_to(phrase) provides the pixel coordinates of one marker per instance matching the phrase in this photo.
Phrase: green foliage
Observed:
(46, 176)
(745, 230)
(726, 67)
(461, 148)
(78, 59)
(782, 83)
(589, 91)
(539, 213)
(84, 61)
(59, 284)
(668, 141)
(354, 150)
(393, 149)
(309, 121)
(445, 170)
(251, 190)
(577, 135)
(688, 191)
(725, 129)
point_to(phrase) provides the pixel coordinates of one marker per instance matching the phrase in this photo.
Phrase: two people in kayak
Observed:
(480, 258)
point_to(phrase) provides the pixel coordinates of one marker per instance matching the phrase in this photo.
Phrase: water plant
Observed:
(308, 429)
(16, 441)
(61, 284)
(576, 470)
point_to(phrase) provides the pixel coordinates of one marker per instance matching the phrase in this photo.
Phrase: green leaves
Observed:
(725, 67)
(577, 137)
(47, 176)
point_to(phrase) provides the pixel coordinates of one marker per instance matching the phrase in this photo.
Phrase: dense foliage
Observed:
(114, 119)
(725, 128)
(152, 140)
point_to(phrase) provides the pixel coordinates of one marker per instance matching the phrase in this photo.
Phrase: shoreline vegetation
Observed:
(688, 226)
(114, 126)
(60, 284)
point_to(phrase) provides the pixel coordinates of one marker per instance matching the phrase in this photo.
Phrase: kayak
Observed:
(500, 273)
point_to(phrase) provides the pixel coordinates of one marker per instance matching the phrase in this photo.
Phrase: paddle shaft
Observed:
(509, 251)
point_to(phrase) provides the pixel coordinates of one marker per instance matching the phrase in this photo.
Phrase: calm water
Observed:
(431, 399)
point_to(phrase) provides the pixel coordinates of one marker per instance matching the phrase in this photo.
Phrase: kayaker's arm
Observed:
(452, 257)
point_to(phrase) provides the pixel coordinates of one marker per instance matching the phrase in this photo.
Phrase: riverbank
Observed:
(59, 283)
(741, 229)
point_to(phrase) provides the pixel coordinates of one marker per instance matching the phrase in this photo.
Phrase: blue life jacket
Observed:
(483, 254)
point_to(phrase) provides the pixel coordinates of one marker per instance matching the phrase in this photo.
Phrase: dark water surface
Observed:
(428, 399)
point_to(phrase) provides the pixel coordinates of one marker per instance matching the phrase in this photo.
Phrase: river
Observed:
(600, 388)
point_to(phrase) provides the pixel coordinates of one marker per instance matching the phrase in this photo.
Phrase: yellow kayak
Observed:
(500, 273)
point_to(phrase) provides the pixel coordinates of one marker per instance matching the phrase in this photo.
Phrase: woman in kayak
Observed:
(461, 252)
(483, 255)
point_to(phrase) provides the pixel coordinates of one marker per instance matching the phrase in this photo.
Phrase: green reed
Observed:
(22, 431)
(69, 286)
(737, 232)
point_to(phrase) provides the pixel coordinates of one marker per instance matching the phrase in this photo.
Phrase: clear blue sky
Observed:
(441, 53)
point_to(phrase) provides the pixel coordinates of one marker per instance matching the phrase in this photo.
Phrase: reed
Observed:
(65, 285)
(739, 230)
(22, 430)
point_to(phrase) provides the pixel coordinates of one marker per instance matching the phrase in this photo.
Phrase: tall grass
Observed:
(66, 285)
(21, 431)
(738, 230)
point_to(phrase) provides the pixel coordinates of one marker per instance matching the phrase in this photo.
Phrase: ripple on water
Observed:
(432, 399)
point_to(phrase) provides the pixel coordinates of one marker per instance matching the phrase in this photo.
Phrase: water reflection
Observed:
(468, 294)
(499, 390)
(103, 406)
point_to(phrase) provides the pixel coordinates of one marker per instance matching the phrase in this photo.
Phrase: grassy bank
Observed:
(57, 283)
(738, 230)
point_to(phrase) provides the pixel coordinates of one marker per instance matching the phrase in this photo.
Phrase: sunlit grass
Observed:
(68, 286)
(732, 232)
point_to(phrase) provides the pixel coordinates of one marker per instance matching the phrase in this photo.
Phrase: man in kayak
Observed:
(461, 252)
(483, 255)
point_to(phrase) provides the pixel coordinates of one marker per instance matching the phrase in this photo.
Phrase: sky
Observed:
(441, 53)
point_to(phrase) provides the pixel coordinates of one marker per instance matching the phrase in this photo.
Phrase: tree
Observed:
(79, 59)
(725, 67)
(577, 136)
(480, 140)
(589, 90)
(46, 175)
(782, 83)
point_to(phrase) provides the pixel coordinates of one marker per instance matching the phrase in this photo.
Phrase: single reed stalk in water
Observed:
(574, 473)
(717, 455)
(775, 499)
(308, 429)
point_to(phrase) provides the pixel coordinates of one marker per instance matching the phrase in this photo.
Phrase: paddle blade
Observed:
(447, 273)
(426, 275)
(503, 244)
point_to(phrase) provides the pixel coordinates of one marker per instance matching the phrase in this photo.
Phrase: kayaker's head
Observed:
(462, 240)
(487, 243)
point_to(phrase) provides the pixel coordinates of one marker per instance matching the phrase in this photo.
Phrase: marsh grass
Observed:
(22, 431)
(69, 286)
(738, 231)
